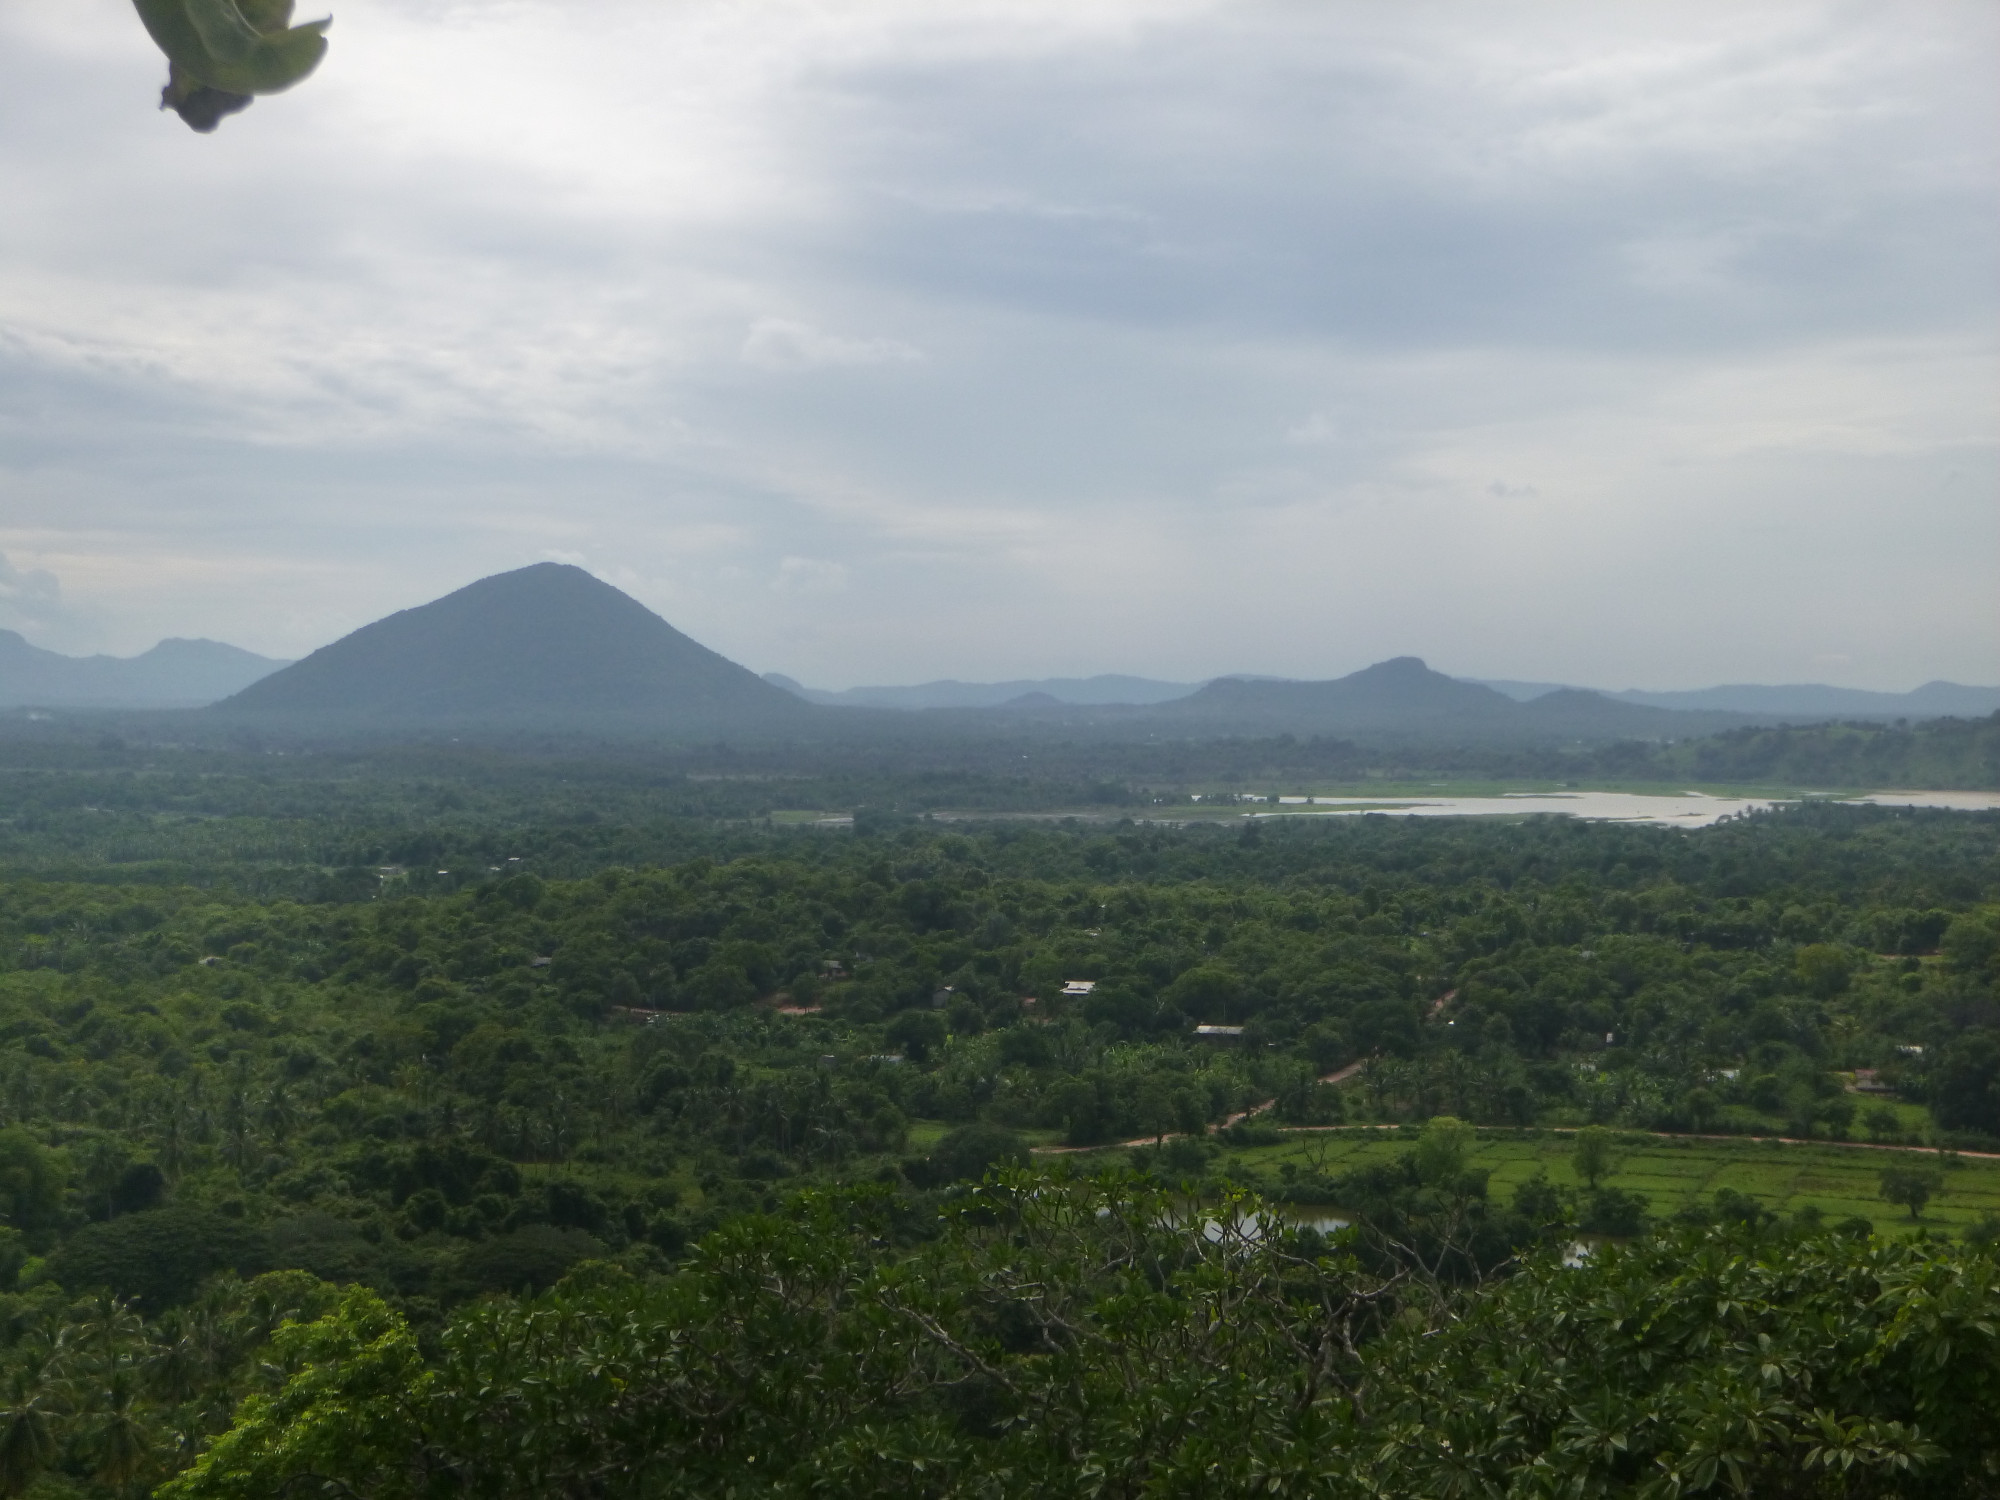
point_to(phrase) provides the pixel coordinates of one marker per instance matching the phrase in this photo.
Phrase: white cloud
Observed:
(1315, 429)
(809, 575)
(30, 598)
(780, 344)
(1706, 261)
(1637, 343)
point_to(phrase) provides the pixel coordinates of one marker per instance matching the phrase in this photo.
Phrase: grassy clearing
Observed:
(1671, 1172)
(925, 1134)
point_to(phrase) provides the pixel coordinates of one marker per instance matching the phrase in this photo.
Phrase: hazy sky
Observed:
(1633, 345)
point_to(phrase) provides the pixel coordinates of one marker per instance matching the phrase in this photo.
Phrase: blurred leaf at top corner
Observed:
(221, 53)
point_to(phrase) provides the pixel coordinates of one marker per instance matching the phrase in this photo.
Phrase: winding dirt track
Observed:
(1658, 1135)
(1341, 1075)
(1338, 1075)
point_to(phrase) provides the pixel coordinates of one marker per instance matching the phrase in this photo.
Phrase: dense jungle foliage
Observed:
(1065, 1339)
(424, 1113)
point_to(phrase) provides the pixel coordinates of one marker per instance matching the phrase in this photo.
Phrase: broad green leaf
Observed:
(236, 46)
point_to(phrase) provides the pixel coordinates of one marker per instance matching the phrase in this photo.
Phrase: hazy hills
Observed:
(1797, 701)
(1794, 702)
(547, 646)
(1399, 695)
(1404, 699)
(553, 650)
(174, 674)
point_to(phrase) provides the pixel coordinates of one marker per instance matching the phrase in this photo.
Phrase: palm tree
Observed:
(27, 1436)
(120, 1444)
(172, 1149)
(179, 1368)
(279, 1114)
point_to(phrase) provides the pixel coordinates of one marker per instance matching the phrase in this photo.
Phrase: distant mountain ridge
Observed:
(1403, 697)
(550, 648)
(1792, 701)
(547, 646)
(1934, 700)
(1798, 702)
(174, 674)
(1399, 694)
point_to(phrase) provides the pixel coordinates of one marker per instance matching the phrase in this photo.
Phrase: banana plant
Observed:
(222, 53)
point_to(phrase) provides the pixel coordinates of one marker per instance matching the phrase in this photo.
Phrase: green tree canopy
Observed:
(1591, 1155)
(1082, 1339)
(1911, 1187)
(31, 1183)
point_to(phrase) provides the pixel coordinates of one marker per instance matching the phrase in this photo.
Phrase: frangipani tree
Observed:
(222, 53)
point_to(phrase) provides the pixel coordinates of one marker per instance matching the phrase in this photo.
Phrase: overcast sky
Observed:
(1630, 345)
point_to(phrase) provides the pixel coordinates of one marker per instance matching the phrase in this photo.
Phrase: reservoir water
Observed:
(1687, 810)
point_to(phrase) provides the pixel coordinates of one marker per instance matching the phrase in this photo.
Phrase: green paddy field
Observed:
(1840, 1180)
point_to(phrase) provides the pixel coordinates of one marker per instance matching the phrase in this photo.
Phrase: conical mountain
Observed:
(547, 645)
